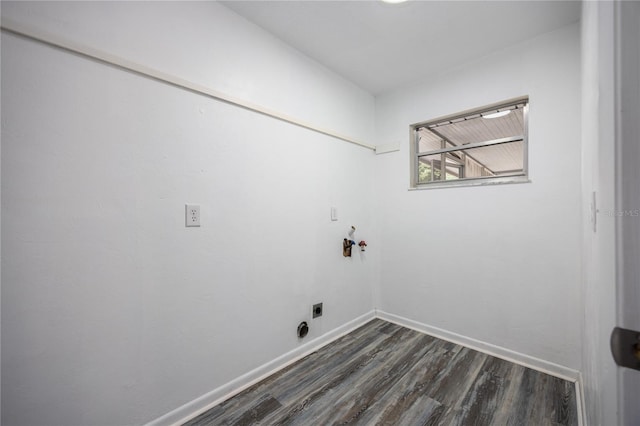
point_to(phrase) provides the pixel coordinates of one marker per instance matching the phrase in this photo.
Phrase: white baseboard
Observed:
(499, 352)
(487, 348)
(226, 391)
(209, 400)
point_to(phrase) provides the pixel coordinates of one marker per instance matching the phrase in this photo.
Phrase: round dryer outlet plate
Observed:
(303, 329)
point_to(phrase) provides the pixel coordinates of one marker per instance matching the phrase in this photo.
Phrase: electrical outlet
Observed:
(317, 310)
(192, 215)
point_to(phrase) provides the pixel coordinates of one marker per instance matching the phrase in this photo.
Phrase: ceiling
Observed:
(381, 46)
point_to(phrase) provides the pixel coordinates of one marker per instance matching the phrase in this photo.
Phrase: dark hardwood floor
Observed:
(385, 374)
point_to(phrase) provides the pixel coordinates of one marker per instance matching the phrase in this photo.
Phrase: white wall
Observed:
(499, 264)
(210, 45)
(113, 312)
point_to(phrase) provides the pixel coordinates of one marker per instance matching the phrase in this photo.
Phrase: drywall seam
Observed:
(537, 364)
(25, 31)
(209, 400)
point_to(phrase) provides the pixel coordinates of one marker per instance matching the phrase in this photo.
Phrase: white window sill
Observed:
(472, 182)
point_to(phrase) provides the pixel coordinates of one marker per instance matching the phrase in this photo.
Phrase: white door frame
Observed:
(627, 125)
(599, 372)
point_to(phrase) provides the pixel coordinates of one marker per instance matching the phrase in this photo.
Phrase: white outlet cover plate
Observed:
(192, 215)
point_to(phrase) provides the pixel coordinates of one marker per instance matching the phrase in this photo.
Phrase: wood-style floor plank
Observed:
(385, 374)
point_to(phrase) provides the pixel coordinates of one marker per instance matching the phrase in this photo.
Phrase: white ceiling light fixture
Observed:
(394, 1)
(496, 114)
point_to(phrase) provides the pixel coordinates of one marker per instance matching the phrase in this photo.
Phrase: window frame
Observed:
(519, 177)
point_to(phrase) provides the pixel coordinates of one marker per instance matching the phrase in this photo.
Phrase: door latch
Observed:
(625, 347)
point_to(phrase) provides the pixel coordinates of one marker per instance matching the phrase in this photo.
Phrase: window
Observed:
(486, 145)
